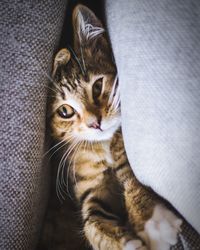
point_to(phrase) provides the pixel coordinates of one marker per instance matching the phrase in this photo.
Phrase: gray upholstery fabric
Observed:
(30, 31)
(157, 50)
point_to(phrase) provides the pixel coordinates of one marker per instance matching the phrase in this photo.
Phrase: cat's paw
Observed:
(162, 229)
(134, 245)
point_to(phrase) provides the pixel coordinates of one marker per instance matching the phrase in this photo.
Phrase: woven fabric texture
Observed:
(30, 32)
(156, 45)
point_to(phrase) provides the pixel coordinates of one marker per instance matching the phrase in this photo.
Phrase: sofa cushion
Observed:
(30, 32)
(157, 51)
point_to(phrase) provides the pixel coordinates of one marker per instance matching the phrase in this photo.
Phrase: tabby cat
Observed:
(117, 211)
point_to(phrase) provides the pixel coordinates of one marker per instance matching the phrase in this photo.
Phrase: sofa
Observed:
(156, 45)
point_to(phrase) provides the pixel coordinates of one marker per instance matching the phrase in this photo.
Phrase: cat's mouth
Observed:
(102, 133)
(99, 128)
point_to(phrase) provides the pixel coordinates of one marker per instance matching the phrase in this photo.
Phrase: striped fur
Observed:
(114, 205)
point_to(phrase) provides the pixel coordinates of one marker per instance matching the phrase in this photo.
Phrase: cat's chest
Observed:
(99, 157)
(96, 154)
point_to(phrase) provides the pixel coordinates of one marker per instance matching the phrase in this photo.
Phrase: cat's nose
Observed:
(95, 124)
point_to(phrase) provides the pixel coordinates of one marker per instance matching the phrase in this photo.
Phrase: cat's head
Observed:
(86, 103)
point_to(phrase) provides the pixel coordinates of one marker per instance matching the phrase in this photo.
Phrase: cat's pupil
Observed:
(64, 111)
(97, 88)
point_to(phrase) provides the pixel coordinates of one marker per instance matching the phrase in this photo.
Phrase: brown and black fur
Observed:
(114, 206)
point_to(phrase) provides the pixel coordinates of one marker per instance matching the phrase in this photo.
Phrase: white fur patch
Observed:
(134, 245)
(162, 229)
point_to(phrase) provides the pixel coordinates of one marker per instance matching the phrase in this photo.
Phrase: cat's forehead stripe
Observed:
(70, 84)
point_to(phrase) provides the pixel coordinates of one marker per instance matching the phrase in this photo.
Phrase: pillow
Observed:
(30, 33)
(157, 51)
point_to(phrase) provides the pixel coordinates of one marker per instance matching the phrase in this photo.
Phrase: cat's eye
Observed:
(65, 111)
(97, 88)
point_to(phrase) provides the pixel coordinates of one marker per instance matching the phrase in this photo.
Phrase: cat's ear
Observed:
(86, 25)
(62, 58)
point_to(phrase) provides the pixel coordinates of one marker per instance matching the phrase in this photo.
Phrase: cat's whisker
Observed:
(73, 158)
(66, 183)
(64, 157)
(61, 168)
(69, 163)
(63, 180)
(113, 90)
(59, 194)
(74, 162)
(77, 60)
(56, 145)
(114, 107)
(59, 189)
(54, 90)
(67, 140)
(116, 97)
(70, 150)
(117, 105)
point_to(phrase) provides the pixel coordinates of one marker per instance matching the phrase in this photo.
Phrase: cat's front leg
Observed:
(109, 236)
(162, 228)
(156, 224)
(103, 228)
